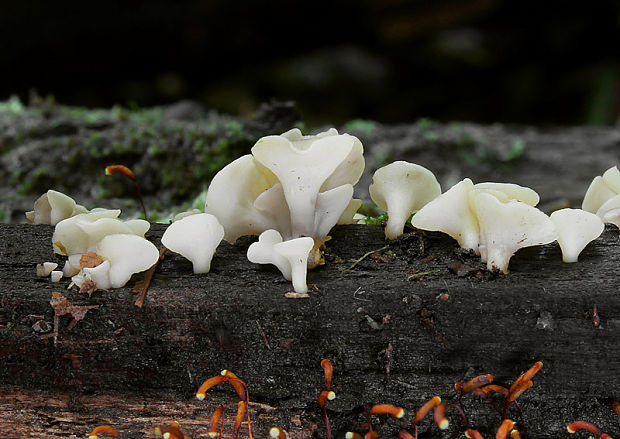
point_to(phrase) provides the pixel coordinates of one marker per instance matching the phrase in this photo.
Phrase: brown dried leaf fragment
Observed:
(90, 260)
(62, 306)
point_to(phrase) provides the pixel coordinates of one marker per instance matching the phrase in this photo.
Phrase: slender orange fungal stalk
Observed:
(124, 170)
(440, 418)
(504, 428)
(405, 435)
(237, 383)
(329, 371)
(581, 425)
(476, 382)
(214, 430)
(473, 434)
(371, 435)
(102, 429)
(378, 409)
(494, 388)
(241, 408)
(211, 382)
(526, 376)
(427, 407)
(517, 391)
(616, 406)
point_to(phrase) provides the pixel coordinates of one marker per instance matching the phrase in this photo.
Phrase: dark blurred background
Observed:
(535, 62)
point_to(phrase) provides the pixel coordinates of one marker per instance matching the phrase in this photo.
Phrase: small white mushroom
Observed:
(576, 228)
(290, 257)
(195, 237)
(123, 255)
(53, 207)
(601, 189)
(46, 268)
(507, 227)
(509, 191)
(400, 189)
(450, 213)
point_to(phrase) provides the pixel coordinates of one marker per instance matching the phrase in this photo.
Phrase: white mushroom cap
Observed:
(507, 227)
(609, 212)
(81, 233)
(291, 257)
(181, 215)
(231, 197)
(510, 191)
(601, 189)
(576, 228)
(127, 254)
(402, 188)
(302, 168)
(53, 207)
(195, 237)
(450, 213)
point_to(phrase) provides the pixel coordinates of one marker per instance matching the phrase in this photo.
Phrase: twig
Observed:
(357, 261)
(142, 286)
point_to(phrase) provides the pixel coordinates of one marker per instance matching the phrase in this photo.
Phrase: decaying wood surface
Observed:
(401, 321)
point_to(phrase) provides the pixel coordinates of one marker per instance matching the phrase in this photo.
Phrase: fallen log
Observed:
(401, 321)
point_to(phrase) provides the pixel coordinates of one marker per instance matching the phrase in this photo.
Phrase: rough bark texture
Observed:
(399, 326)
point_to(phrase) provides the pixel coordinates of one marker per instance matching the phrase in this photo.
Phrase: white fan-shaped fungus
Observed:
(601, 189)
(509, 226)
(290, 257)
(53, 207)
(195, 237)
(402, 188)
(123, 255)
(450, 213)
(576, 228)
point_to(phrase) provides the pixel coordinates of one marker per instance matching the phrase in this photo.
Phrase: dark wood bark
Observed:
(400, 326)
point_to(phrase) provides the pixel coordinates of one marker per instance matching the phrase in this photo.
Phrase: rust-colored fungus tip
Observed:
(120, 169)
(504, 429)
(473, 434)
(378, 409)
(371, 435)
(616, 406)
(523, 386)
(476, 382)
(440, 418)
(277, 433)
(241, 408)
(526, 376)
(90, 260)
(405, 435)
(237, 383)
(324, 396)
(514, 434)
(427, 407)
(170, 431)
(102, 429)
(493, 388)
(581, 425)
(329, 371)
(214, 430)
(211, 382)
(605, 436)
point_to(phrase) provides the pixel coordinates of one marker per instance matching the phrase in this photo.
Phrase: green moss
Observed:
(12, 105)
(85, 114)
(516, 151)
(359, 126)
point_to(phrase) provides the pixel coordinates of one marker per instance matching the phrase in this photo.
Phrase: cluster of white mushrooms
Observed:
(293, 189)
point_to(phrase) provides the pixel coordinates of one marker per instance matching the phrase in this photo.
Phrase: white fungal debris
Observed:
(46, 268)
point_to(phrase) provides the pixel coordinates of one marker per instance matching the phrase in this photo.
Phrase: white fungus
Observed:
(196, 238)
(576, 228)
(53, 207)
(400, 189)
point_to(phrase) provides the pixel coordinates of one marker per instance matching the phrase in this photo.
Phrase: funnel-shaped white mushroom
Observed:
(576, 228)
(123, 255)
(507, 227)
(601, 189)
(402, 188)
(291, 257)
(53, 207)
(195, 237)
(450, 213)
(302, 169)
(81, 233)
